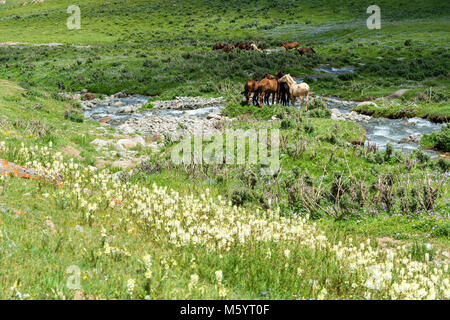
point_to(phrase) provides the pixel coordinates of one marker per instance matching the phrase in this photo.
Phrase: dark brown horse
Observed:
(303, 51)
(219, 46)
(289, 45)
(249, 88)
(242, 46)
(228, 48)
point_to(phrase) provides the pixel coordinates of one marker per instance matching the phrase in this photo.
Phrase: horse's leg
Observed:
(307, 94)
(261, 96)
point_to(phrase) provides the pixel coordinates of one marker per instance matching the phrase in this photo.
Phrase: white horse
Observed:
(300, 90)
(255, 48)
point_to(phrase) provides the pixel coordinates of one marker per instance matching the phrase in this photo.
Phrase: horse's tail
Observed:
(313, 50)
(245, 89)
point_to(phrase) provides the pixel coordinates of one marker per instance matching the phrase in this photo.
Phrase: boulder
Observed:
(131, 143)
(415, 137)
(100, 143)
(105, 119)
(367, 103)
(89, 96)
(395, 95)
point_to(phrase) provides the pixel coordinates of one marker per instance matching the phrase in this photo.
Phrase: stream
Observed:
(123, 111)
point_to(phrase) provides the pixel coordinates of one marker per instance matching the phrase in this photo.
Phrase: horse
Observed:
(242, 46)
(284, 90)
(255, 48)
(289, 45)
(218, 46)
(303, 51)
(250, 87)
(267, 95)
(268, 86)
(229, 48)
(300, 90)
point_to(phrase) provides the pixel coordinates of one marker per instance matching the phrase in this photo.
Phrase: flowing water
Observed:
(383, 130)
(379, 130)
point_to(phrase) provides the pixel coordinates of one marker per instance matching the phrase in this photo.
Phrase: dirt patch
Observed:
(388, 242)
(71, 151)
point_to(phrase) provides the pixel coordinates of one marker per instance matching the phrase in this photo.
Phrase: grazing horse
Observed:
(228, 48)
(289, 45)
(219, 46)
(303, 51)
(242, 46)
(300, 90)
(268, 86)
(255, 48)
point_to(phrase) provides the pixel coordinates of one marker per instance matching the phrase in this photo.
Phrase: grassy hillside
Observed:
(338, 221)
(163, 47)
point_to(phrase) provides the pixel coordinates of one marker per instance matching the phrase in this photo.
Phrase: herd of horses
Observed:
(283, 88)
(252, 46)
(240, 45)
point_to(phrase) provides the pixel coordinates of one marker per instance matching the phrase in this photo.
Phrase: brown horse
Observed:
(268, 86)
(249, 88)
(228, 48)
(252, 87)
(289, 45)
(242, 46)
(219, 46)
(303, 51)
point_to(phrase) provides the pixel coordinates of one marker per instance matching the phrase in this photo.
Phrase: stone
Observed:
(214, 116)
(415, 137)
(105, 119)
(395, 95)
(123, 164)
(100, 143)
(89, 96)
(367, 103)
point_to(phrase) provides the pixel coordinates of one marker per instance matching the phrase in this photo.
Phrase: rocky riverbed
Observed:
(174, 117)
(184, 115)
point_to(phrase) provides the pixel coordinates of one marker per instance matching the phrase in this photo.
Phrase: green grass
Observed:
(163, 49)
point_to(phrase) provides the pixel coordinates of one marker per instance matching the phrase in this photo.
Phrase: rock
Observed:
(415, 137)
(89, 96)
(131, 142)
(105, 119)
(395, 95)
(120, 95)
(123, 164)
(127, 143)
(367, 103)
(118, 104)
(100, 143)
(9, 168)
(127, 109)
(214, 116)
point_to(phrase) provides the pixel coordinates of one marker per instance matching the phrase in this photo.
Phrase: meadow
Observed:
(339, 221)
